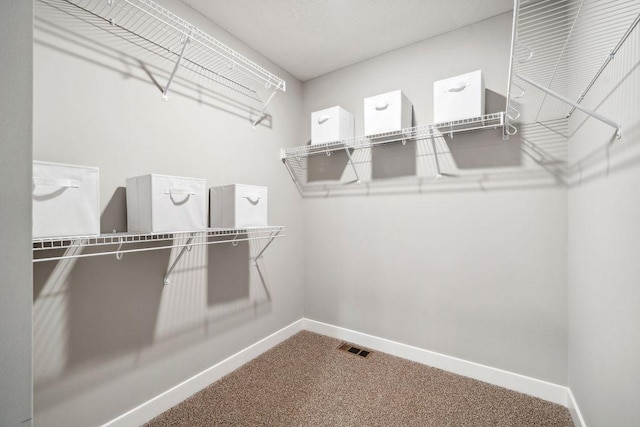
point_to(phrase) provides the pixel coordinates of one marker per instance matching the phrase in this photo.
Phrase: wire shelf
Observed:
(184, 43)
(418, 154)
(58, 248)
(559, 49)
(488, 121)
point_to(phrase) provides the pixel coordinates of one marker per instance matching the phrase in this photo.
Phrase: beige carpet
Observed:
(307, 381)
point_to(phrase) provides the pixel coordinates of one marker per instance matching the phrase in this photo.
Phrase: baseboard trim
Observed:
(154, 407)
(542, 389)
(574, 410)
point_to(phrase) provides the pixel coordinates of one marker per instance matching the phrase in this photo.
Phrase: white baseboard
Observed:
(542, 389)
(520, 383)
(574, 410)
(154, 407)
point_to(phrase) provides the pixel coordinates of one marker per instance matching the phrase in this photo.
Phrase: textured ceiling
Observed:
(310, 38)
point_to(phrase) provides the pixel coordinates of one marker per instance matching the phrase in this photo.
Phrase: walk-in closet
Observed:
(320, 213)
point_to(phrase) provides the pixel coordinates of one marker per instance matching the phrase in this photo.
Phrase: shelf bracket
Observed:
(574, 104)
(435, 153)
(187, 40)
(286, 165)
(185, 248)
(264, 109)
(353, 165)
(272, 237)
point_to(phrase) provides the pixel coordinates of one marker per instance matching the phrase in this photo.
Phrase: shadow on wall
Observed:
(463, 161)
(94, 317)
(62, 27)
(228, 275)
(94, 309)
(114, 215)
(323, 167)
(393, 160)
(485, 149)
(113, 305)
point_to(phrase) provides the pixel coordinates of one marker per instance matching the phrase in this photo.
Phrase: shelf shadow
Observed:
(327, 168)
(98, 318)
(478, 160)
(228, 275)
(486, 148)
(61, 26)
(393, 160)
(114, 215)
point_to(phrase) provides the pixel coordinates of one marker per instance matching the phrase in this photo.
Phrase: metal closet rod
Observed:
(611, 55)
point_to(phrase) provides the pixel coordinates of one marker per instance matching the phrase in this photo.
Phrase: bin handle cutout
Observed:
(54, 182)
(458, 87)
(381, 105)
(323, 119)
(188, 192)
(252, 198)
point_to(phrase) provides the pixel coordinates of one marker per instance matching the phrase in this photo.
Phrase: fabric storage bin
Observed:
(66, 200)
(388, 112)
(238, 206)
(458, 98)
(331, 124)
(161, 203)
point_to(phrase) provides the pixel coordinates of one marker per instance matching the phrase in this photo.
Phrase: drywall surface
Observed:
(108, 335)
(604, 244)
(16, 68)
(469, 270)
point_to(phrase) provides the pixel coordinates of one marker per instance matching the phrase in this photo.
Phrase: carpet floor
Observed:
(307, 381)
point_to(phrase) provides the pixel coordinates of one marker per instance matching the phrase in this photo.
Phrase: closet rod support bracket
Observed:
(574, 104)
(272, 237)
(187, 40)
(185, 248)
(264, 109)
(435, 152)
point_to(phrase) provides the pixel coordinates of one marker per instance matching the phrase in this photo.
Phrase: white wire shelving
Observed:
(488, 121)
(185, 44)
(559, 49)
(118, 244)
(295, 158)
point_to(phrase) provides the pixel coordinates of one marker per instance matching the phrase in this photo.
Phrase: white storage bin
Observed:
(331, 124)
(458, 98)
(238, 206)
(66, 200)
(161, 203)
(388, 112)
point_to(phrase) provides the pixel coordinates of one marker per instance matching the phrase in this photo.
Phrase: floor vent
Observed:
(354, 350)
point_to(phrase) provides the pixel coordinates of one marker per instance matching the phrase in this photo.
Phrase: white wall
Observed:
(604, 243)
(108, 335)
(16, 67)
(475, 273)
